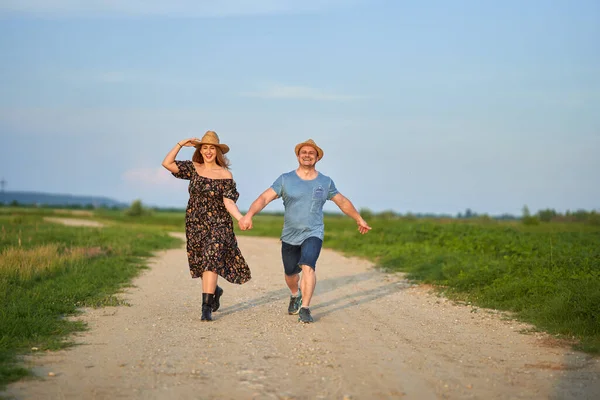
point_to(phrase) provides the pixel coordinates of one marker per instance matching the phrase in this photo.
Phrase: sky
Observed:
(420, 106)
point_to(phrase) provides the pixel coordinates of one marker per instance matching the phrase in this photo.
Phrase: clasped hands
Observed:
(245, 223)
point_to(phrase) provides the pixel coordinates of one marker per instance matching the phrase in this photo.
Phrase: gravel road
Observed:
(375, 336)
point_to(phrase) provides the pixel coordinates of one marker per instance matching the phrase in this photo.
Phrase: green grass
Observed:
(33, 305)
(547, 275)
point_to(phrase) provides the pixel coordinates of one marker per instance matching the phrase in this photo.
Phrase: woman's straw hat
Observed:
(211, 137)
(311, 143)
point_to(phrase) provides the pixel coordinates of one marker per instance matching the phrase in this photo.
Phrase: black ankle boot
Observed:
(207, 304)
(218, 293)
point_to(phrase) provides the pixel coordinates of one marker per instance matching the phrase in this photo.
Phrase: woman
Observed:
(212, 248)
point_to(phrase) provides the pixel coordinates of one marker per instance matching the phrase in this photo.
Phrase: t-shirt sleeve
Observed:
(332, 190)
(185, 169)
(277, 186)
(231, 191)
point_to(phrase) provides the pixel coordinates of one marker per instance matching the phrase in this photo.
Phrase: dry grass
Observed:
(28, 263)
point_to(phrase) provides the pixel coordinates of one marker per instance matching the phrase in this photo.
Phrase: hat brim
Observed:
(224, 148)
(319, 150)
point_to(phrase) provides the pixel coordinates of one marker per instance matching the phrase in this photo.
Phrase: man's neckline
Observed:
(301, 178)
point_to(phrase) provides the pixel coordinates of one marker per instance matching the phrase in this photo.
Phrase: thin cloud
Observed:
(299, 93)
(183, 8)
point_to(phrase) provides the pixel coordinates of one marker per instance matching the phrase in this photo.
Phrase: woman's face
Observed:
(209, 152)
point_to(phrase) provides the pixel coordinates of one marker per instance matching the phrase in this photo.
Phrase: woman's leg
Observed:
(209, 285)
(209, 282)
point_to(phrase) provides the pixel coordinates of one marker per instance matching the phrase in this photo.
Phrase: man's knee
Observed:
(307, 269)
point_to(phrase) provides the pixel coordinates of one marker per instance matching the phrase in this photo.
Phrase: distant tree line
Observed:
(550, 215)
(136, 208)
(542, 216)
(88, 206)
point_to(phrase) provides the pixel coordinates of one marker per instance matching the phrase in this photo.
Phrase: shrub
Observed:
(137, 209)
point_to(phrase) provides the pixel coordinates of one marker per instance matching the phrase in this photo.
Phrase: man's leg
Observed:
(311, 248)
(290, 256)
(292, 283)
(309, 281)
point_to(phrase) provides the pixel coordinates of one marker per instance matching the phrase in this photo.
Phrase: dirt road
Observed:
(375, 337)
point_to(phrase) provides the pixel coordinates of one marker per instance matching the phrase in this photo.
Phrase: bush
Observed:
(366, 213)
(594, 219)
(137, 209)
(529, 219)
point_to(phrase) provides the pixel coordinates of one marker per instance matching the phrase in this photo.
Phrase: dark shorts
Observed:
(305, 254)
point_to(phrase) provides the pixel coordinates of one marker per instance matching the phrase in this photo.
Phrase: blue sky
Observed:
(429, 106)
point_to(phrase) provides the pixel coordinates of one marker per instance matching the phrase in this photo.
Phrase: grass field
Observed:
(546, 274)
(48, 271)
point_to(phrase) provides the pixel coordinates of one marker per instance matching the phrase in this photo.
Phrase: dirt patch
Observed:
(80, 213)
(74, 222)
(375, 336)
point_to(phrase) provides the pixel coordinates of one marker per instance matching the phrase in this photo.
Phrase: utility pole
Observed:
(2, 184)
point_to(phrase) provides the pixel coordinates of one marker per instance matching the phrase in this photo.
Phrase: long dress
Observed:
(211, 242)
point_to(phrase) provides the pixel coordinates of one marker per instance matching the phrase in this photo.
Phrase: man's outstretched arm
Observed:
(348, 208)
(257, 205)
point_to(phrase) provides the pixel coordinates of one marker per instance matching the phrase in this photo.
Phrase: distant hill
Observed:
(50, 199)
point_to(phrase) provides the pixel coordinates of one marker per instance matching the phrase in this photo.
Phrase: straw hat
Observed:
(211, 137)
(311, 143)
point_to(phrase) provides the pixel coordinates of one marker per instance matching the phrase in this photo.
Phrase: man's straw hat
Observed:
(211, 137)
(311, 143)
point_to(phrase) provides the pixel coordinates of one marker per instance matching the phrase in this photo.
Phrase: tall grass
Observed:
(24, 264)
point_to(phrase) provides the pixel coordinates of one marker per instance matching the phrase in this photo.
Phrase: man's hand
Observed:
(245, 223)
(363, 227)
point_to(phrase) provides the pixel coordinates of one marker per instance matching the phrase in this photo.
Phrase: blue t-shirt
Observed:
(303, 201)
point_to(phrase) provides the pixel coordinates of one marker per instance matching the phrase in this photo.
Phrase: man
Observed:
(304, 192)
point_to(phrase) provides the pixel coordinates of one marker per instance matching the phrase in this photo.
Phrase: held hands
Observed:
(245, 223)
(363, 227)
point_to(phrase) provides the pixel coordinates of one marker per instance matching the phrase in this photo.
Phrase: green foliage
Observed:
(594, 218)
(137, 209)
(547, 215)
(366, 213)
(547, 274)
(33, 309)
(529, 219)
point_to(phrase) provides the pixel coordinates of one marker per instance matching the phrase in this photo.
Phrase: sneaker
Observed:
(295, 303)
(304, 315)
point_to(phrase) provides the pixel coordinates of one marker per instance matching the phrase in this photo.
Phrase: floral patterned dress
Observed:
(211, 243)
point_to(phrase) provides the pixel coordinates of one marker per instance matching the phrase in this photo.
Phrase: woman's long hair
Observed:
(221, 159)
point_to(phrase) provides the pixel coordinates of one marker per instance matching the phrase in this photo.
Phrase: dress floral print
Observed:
(211, 242)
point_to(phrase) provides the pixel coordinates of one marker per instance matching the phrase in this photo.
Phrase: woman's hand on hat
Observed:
(191, 142)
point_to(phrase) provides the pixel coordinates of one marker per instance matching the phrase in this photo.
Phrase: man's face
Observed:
(307, 156)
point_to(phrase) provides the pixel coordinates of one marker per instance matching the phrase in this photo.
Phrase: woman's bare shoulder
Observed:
(227, 174)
